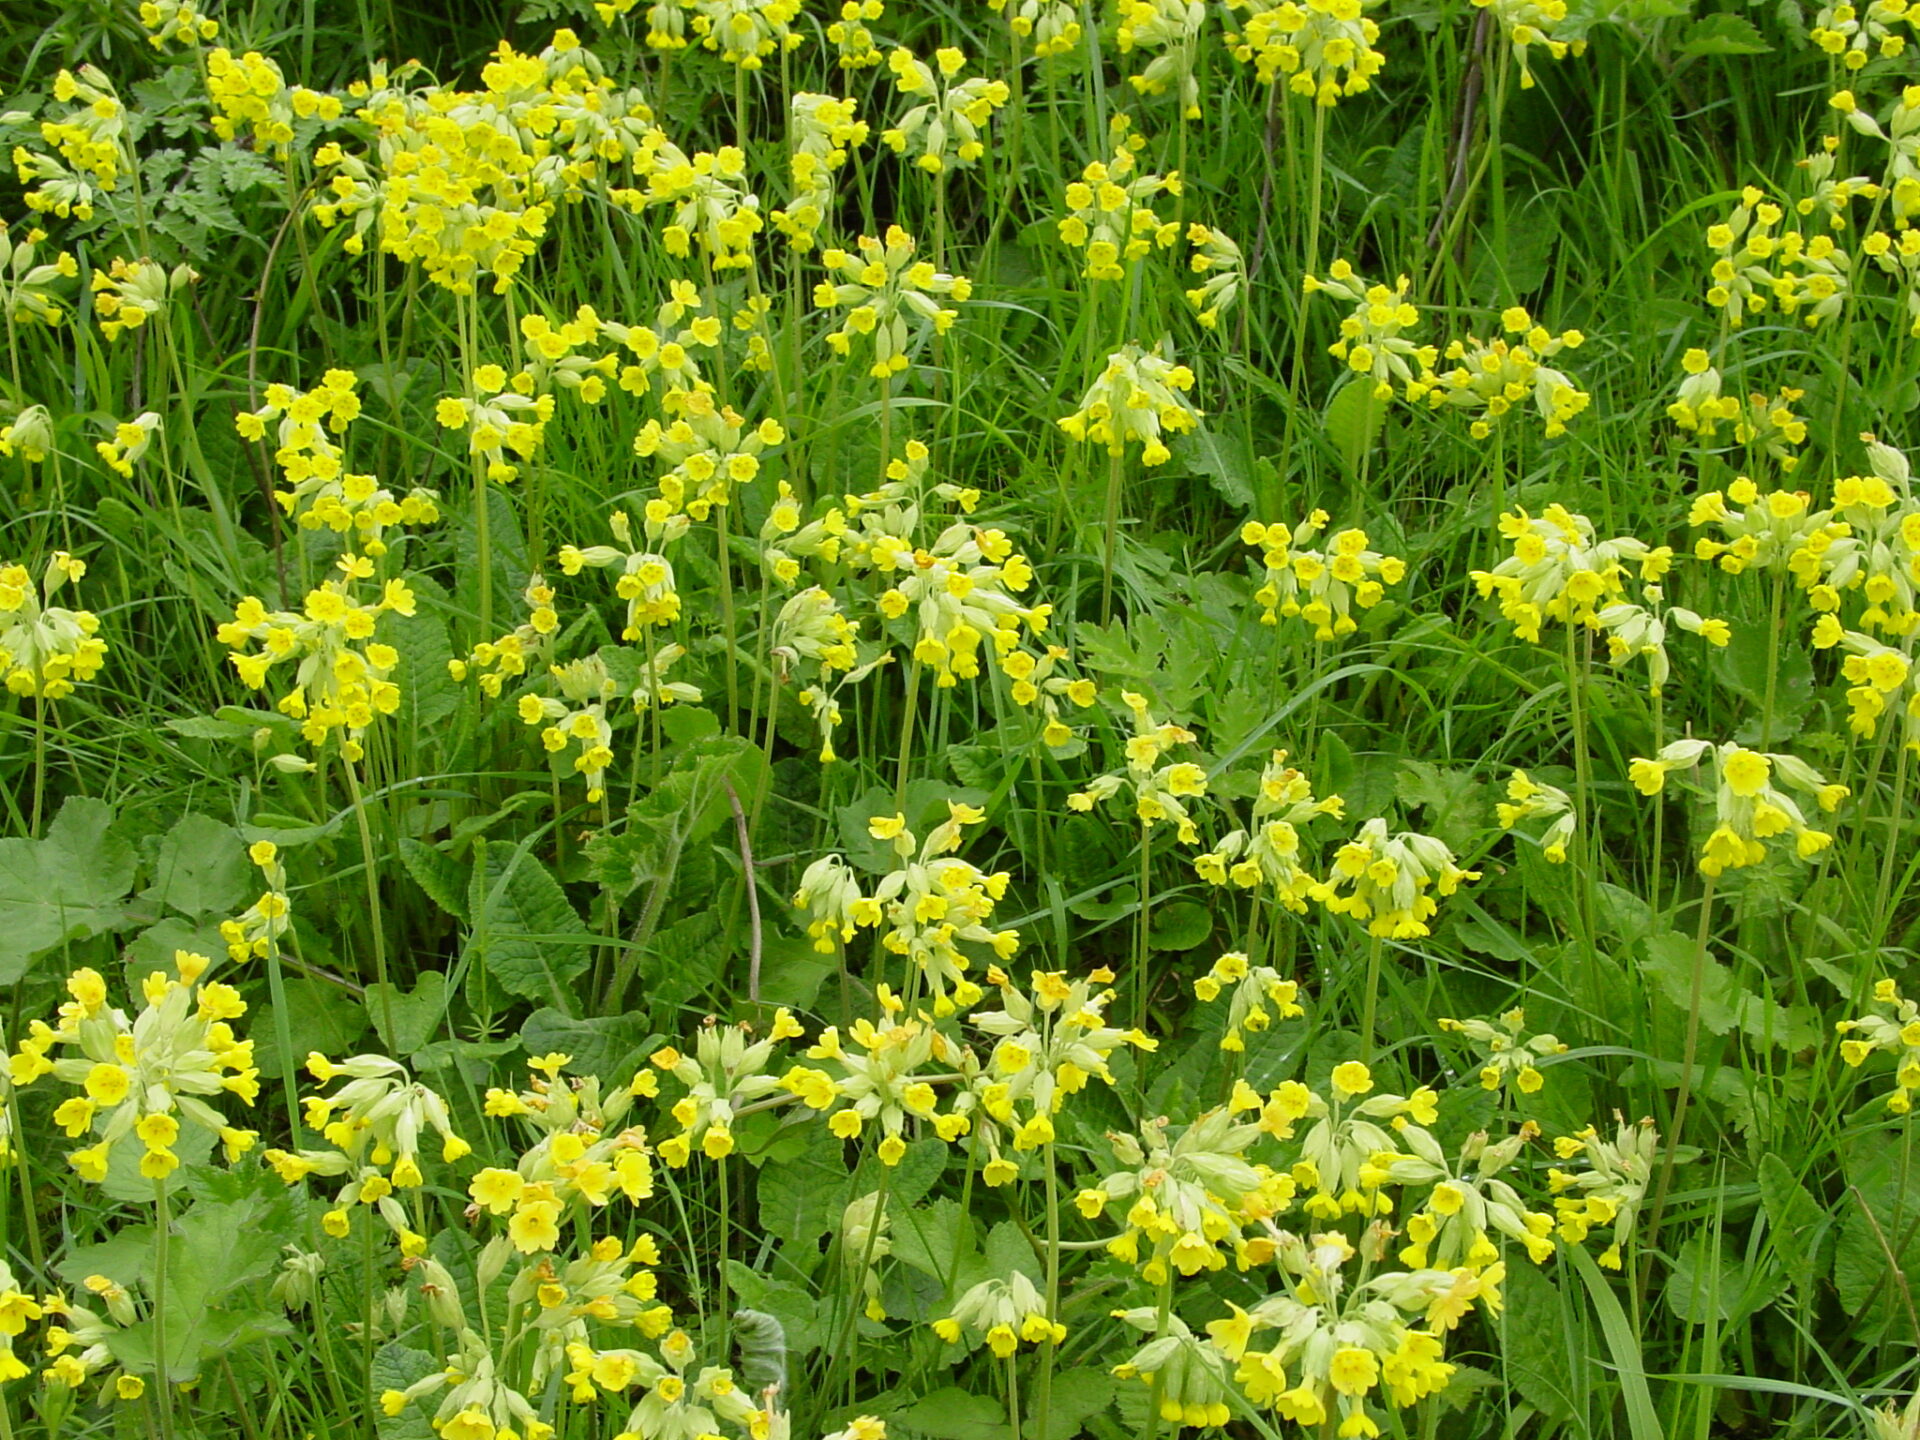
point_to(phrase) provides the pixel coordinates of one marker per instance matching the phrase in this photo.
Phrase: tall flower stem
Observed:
(1367, 1005)
(374, 914)
(1110, 523)
(1689, 1051)
(162, 1230)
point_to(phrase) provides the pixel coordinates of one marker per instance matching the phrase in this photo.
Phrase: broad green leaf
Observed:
(609, 1046)
(67, 886)
(1076, 1394)
(1225, 459)
(1725, 1004)
(396, 1367)
(953, 1414)
(800, 1201)
(319, 1017)
(1179, 925)
(1723, 34)
(1535, 1335)
(524, 934)
(1353, 422)
(1798, 1223)
(934, 1240)
(802, 1327)
(201, 868)
(415, 1015)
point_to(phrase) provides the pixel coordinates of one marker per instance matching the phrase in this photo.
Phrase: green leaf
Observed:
(801, 1324)
(1799, 1225)
(201, 868)
(1180, 925)
(953, 1414)
(1642, 1420)
(1077, 1394)
(1007, 1250)
(396, 1367)
(428, 693)
(935, 1240)
(799, 1201)
(525, 936)
(1455, 802)
(1880, 1218)
(606, 1045)
(1535, 1337)
(416, 1015)
(1353, 422)
(444, 879)
(67, 886)
(1725, 1004)
(1723, 34)
(1225, 460)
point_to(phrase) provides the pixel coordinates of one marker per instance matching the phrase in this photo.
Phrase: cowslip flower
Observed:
(1110, 216)
(946, 129)
(1390, 882)
(1508, 1054)
(131, 292)
(1268, 852)
(45, 649)
(1138, 399)
(1373, 336)
(1490, 379)
(823, 130)
(1560, 572)
(1894, 1030)
(852, 36)
(341, 681)
(728, 1069)
(1052, 25)
(643, 575)
(1609, 1188)
(1325, 48)
(29, 293)
(1321, 587)
(1171, 27)
(1527, 23)
(139, 1077)
(747, 32)
(882, 287)
(1217, 260)
(1251, 990)
(30, 433)
(130, 443)
(1158, 791)
(254, 932)
(1749, 809)
(1640, 631)
(1528, 799)
(577, 718)
(177, 21)
(495, 662)
(1876, 673)
(706, 453)
(1003, 1312)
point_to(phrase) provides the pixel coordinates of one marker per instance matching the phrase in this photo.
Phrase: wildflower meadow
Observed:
(959, 719)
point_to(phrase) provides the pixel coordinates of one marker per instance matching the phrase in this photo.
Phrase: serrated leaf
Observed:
(444, 879)
(428, 693)
(525, 935)
(1225, 460)
(1725, 1004)
(1535, 1333)
(66, 886)
(201, 868)
(1076, 1394)
(1798, 1223)
(952, 1414)
(396, 1367)
(935, 1240)
(798, 1200)
(1723, 34)
(605, 1045)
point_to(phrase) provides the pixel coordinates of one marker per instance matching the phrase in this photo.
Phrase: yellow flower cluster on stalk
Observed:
(46, 649)
(249, 90)
(374, 1124)
(1527, 23)
(1324, 48)
(1893, 1030)
(643, 576)
(29, 287)
(1217, 258)
(1049, 1042)
(1390, 882)
(882, 287)
(139, 1077)
(583, 1154)
(130, 292)
(1749, 808)
(310, 430)
(1529, 799)
(341, 680)
(1052, 25)
(1158, 791)
(1755, 261)
(823, 131)
(504, 659)
(1373, 339)
(1110, 216)
(180, 22)
(1251, 989)
(1489, 379)
(727, 1070)
(851, 34)
(95, 149)
(1003, 1312)
(946, 129)
(1138, 399)
(1768, 423)
(747, 32)
(1172, 28)
(1560, 573)
(1870, 551)
(1510, 1056)
(1778, 532)
(879, 1080)
(1609, 1188)
(1319, 587)
(255, 931)
(1268, 851)
(130, 443)
(1855, 33)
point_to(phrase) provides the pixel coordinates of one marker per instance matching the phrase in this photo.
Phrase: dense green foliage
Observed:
(973, 722)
